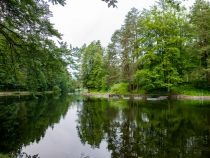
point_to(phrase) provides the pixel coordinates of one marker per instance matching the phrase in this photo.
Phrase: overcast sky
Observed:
(82, 21)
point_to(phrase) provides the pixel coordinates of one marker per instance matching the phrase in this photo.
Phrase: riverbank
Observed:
(23, 93)
(145, 97)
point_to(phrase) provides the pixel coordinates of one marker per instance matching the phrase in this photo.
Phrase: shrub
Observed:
(190, 90)
(120, 88)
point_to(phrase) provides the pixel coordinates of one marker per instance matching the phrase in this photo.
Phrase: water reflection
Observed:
(65, 127)
(94, 118)
(147, 129)
(25, 121)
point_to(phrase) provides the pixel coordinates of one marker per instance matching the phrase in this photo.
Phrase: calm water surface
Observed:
(72, 127)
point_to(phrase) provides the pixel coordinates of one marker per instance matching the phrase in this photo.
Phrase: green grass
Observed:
(139, 92)
(122, 88)
(117, 91)
(191, 91)
(98, 92)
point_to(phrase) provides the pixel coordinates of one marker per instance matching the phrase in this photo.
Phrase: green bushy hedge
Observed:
(120, 88)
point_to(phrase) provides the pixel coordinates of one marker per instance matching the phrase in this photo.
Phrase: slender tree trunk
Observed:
(206, 62)
(130, 86)
(137, 87)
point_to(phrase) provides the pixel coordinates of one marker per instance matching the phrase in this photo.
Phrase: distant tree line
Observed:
(163, 47)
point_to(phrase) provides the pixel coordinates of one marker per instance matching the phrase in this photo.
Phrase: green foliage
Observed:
(190, 90)
(159, 66)
(29, 59)
(146, 79)
(120, 88)
(200, 19)
(56, 90)
(154, 49)
(92, 66)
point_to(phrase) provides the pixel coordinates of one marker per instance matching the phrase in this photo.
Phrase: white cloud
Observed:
(82, 21)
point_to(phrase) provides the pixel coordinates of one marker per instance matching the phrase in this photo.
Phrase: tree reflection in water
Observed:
(163, 129)
(146, 129)
(25, 121)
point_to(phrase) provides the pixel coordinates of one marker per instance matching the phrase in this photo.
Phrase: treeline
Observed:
(164, 48)
(29, 58)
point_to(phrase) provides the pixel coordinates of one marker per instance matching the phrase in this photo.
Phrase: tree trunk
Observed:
(137, 87)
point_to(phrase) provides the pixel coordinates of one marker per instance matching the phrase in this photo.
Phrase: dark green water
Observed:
(71, 127)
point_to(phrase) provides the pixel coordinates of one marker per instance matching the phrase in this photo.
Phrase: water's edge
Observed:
(23, 93)
(146, 97)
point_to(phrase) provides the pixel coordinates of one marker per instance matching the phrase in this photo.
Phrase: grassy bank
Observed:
(190, 91)
(123, 89)
(23, 93)
(182, 92)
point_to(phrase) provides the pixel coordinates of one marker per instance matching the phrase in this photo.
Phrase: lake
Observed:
(76, 127)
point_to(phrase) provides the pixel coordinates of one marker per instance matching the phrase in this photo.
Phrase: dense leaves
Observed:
(92, 66)
(200, 18)
(29, 59)
(160, 48)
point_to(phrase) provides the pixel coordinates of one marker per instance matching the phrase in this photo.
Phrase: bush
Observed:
(190, 90)
(120, 88)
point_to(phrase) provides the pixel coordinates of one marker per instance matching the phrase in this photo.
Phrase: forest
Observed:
(29, 59)
(162, 51)
(164, 48)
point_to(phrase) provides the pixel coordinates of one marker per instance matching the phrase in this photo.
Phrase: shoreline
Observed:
(112, 96)
(22, 93)
(145, 97)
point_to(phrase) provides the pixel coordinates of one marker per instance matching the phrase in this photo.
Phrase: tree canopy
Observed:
(30, 59)
(164, 48)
